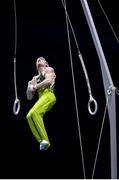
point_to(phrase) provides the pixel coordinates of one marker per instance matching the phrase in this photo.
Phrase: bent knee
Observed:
(30, 113)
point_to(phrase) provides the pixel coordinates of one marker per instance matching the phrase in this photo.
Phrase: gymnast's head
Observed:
(41, 62)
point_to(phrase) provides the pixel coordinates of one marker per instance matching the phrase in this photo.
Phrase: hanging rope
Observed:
(91, 99)
(108, 22)
(74, 88)
(16, 106)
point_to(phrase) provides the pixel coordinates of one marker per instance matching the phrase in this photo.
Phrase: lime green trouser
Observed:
(35, 116)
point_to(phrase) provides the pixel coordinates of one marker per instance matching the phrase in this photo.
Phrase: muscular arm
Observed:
(49, 77)
(33, 85)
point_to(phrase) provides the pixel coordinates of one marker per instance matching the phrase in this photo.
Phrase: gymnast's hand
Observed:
(32, 85)
(30, 90)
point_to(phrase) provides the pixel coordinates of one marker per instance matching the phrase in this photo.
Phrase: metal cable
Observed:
(100, 136)
(75, 95)
(108, 22)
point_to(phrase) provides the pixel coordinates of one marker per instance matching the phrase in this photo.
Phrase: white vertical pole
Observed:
(108, 87)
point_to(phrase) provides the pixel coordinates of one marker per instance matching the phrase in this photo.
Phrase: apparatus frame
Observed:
(109, 88)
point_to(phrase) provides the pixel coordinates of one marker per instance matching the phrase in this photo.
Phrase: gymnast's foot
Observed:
(44, 145)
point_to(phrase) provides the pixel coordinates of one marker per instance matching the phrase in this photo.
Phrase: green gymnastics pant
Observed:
(35, 116)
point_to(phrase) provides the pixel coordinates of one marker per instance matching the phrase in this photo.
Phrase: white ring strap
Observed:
(16, 106)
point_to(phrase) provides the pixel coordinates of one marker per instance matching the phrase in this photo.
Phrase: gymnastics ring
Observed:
(117, 91)
(92, 100)
(16, 106)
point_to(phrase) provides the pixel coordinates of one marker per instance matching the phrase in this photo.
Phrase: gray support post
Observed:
(108, 87)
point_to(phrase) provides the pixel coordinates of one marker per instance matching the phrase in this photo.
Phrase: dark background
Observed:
(42, 32)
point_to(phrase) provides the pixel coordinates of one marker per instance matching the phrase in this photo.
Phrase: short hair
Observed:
(42, 58)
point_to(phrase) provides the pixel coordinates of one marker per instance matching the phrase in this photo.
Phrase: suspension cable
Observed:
(74, 88)
(109, 92)
(117, 39)
(100, 136)
(16, 106)
(91, 99)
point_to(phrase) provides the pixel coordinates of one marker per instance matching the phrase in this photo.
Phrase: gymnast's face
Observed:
(41, 62)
